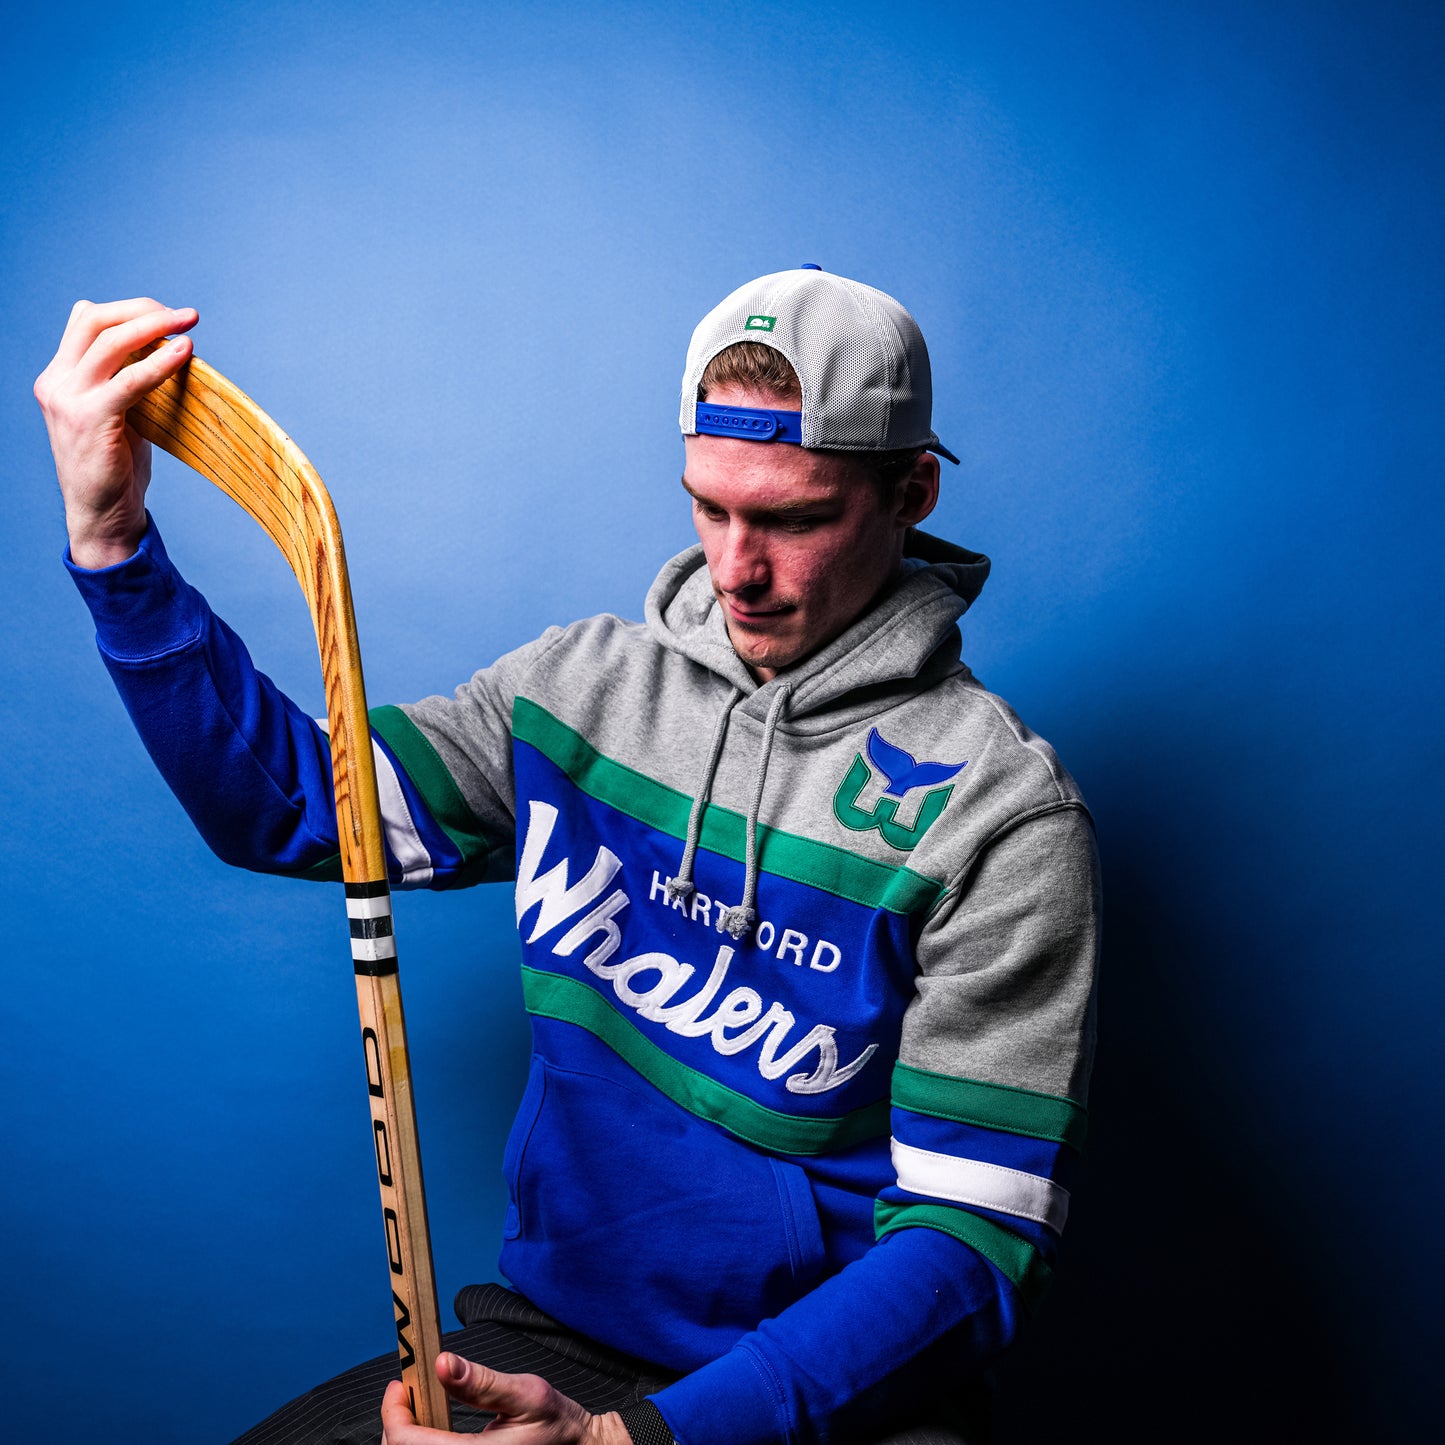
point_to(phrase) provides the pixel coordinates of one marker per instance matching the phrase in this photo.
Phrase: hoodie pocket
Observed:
(639, 1223)
(800, 1220)
(520, 1136)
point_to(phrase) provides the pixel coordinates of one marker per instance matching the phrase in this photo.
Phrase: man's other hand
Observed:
(528, 1410)
(104, 466)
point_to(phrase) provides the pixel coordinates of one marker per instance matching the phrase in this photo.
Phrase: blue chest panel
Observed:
(800, 1019)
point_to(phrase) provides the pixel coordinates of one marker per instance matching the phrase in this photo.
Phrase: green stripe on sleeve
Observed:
(328, 870)
(555, 996)
(786, 855)
(438, 789)
(994, 1106)
(1016, 1258)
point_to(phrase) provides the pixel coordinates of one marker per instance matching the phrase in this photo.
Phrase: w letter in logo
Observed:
(901, 775)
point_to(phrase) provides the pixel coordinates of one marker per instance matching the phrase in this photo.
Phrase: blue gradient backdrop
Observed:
(1180, 269)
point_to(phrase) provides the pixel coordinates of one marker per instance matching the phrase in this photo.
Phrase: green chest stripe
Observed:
(553, 996)
(993, 1106)
(1016, 1258)
(786, 855)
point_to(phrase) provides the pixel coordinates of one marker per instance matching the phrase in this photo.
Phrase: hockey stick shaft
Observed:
(218, 430)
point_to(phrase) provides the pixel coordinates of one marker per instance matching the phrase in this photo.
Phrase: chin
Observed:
(776, 658)
(771, 652)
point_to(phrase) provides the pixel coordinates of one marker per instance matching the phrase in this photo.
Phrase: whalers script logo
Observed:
(760, 323)
(901, 775)
(732, 1022)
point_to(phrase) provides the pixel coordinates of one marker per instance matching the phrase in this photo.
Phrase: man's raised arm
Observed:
(251, 769)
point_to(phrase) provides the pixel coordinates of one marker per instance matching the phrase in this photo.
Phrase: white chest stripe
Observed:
(989, 1186)
(401, 834)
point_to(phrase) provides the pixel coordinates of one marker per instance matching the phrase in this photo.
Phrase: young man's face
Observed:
(798, 544)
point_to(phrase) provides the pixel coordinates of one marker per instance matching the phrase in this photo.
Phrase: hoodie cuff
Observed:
(142, 607)
(732, 1400)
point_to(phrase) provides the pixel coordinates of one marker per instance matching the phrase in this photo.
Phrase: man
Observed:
(809, 918)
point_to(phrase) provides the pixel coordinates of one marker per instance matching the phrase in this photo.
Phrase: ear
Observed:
(917, 493)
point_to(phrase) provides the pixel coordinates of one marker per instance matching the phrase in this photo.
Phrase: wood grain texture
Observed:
(214, 427)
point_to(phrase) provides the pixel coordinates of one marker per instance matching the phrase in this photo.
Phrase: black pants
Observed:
(506, 1332)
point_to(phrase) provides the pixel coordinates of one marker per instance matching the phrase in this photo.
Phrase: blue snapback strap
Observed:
(749, 423)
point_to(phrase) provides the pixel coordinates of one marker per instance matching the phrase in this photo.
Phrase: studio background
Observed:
(1179, 269)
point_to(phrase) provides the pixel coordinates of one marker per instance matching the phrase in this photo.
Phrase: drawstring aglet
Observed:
(739, 919)
(678, 888)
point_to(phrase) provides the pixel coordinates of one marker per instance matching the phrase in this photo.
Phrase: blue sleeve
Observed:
(918, 1311)
(248, 766)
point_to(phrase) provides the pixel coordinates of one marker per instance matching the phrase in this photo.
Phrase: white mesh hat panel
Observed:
(859, 355)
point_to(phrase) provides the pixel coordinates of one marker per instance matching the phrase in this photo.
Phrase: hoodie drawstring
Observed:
(682, 885)
(741, 917)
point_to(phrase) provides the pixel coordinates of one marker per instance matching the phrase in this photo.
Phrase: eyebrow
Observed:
(783, 509)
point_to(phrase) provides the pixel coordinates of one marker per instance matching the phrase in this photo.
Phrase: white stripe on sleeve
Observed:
(401, 832)
(989, 1186)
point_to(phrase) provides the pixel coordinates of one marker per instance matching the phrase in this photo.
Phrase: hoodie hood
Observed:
(893, 640)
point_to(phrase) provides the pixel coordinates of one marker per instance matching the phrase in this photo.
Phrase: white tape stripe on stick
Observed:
(368, 950)
(989, 1186)
(368, 907)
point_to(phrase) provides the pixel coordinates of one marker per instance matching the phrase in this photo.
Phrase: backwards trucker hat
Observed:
(861, 359)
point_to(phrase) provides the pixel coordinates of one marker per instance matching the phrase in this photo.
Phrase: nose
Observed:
(741, 565)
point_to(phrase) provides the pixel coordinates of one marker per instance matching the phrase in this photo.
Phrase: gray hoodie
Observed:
(832, 937)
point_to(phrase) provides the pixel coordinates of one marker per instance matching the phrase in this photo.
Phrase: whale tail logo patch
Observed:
(900, 771)
(901, 774)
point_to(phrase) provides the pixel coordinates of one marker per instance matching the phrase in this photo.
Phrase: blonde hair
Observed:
(755, 366)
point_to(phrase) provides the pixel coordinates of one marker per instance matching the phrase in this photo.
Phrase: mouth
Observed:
(756, 616)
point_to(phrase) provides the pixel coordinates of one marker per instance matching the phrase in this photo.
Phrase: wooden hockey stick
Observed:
(216, 428)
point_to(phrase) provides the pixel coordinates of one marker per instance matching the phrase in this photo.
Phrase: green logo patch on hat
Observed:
(760, 323)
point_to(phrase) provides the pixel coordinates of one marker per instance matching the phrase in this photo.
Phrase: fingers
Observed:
(95, 346)
(132, 382)
(518, 1401)
(398, 1424)
(487, 1389)
(107, 353)
(88, 320)
(528, 1410)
